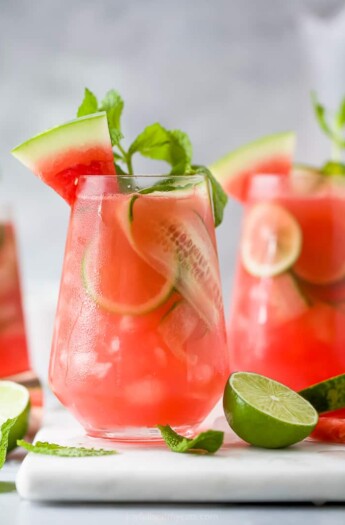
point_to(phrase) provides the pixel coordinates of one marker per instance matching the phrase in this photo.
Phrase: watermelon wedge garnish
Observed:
(61, 154)
(268, 155)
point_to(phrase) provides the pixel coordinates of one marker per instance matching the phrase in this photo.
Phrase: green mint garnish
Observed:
(206, 442)
(334, 127)
(89, 104)
(333, 168)
(52, 449)
(156, 143)
(4, 432)
(219, 197)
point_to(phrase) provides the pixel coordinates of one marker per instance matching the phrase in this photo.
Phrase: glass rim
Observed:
(303, 182)
(143, 176)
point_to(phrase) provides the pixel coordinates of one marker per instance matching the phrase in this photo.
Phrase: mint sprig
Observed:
(219, 197)
(333, 125)
(4, 433)
(52, 449)
(155, 142)
(206, 442)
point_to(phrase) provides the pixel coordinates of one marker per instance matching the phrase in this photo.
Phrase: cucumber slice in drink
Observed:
(266, 413)
(272, 240)
(165, 234)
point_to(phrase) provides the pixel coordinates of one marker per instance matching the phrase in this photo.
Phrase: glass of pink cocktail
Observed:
(288, 311)
(139, 335)
(14, 357)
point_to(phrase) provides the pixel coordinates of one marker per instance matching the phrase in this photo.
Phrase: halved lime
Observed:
(266, 413)
(272, 240)
(14, 402)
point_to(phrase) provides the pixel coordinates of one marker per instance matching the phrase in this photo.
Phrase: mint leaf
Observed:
(52, 449)
(181, 152)
(4, 432)
(113, 105)
(219, 197)
(333, 128)
(207, 442)
(173, 147)
(321, 116)
(333, 168)
(153, 142)
(340, 117)
(89, 104)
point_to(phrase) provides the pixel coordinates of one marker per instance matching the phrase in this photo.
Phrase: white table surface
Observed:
(15, 511)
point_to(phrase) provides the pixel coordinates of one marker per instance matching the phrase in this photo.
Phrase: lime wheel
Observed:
(272, 240)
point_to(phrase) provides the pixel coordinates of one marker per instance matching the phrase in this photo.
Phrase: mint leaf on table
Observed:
(52, 449)
(89, 104)
(4, 432)
(206, 442)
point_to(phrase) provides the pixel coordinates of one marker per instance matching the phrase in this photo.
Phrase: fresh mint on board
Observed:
(4, 432)
(52, 449)
(206, 442)
(333, 125)
(155, 142)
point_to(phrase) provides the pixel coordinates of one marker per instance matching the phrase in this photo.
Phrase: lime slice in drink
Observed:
(272, 240)
(266, 413)
(116, 277)
(328, 395)
(14, 402)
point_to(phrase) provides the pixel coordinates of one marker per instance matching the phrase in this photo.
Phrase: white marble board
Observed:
(310, 472)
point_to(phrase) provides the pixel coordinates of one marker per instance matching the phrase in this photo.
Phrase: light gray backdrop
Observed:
(225, 71)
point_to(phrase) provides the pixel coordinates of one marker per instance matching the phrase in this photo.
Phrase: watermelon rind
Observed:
(328, 395)
(81, 133)
(245, 159)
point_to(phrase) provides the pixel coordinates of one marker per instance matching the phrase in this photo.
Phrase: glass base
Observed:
(144, 435)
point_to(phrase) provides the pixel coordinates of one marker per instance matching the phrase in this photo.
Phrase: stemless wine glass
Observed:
(288, 311)
(139, 334)
(14, 358)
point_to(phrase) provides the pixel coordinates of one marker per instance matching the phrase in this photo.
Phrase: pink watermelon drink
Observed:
(287, 318)
(13, 345)
(139, 337)
(288, 315)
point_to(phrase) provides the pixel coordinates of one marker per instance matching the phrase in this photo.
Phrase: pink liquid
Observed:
(117, 370)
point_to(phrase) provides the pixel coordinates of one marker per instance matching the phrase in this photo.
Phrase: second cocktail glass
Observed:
(288, 314)
(139, 335)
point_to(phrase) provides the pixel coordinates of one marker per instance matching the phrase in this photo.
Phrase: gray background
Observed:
(225, 71)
